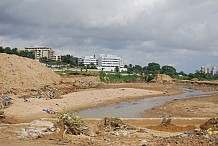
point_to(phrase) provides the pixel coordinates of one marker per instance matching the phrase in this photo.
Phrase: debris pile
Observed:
(162, 78)
(46, 92)
(113, 123)
(19, 74)
(37, 129)
(210, 124)
(167, 126)
(73, 124)
(89, 82)
(5, 101)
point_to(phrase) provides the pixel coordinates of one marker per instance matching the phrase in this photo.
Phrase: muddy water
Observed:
(134, 109)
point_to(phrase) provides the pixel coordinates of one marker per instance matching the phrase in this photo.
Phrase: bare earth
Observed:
(192, 107)
(33, 109)
(22, 78)
(139, 134)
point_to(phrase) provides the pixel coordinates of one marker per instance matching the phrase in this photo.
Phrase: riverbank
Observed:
(21, 111)
(138, 134)
(191, 107)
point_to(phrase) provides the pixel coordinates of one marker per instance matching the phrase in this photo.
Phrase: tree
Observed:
(69, 59)
(28, 54)
(117, 69)
(182, 73)
(137, 69)
(130, 69)
(8, 50)
(43, 59)
(2, 50)
(153, 68)
(168, 70)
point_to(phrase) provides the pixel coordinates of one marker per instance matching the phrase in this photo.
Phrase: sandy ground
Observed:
(137, 134)
(192, 107)
(33, 109)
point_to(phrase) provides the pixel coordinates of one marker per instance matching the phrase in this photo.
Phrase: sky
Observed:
(180, 33)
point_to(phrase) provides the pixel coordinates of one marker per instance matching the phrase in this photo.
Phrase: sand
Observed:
(18, 74)
(73, 101)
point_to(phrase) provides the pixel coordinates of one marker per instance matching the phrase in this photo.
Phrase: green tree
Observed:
(137, 69)
(117, 69)
(25, 53)
(130, 69)
(2, 50)
(43, 59)
(153, 68)
(168, 70)
(69, 59)
(14, 51)
(8, 50)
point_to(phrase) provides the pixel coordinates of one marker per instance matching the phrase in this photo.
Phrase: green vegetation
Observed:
(22, 53)
(118, 77)
(69, 72)
(134, 72)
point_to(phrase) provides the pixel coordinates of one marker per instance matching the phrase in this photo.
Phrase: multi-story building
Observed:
(87, 60)
(107, 62)
(204, 69)
(57, 57)
(40, 52)
(213, 70)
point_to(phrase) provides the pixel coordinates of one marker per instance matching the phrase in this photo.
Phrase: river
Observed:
(135, 108)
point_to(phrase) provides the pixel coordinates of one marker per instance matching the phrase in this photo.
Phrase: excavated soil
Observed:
(19, 74)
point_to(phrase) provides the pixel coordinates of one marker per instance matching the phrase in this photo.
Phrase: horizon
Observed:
(178, 33)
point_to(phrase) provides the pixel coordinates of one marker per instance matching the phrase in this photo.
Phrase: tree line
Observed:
(15, 51)
(149, 71)
(152, 69)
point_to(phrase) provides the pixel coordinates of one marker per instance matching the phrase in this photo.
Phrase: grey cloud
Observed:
(139, 31)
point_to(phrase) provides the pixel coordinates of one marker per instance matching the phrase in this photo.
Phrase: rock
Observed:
(36, 129)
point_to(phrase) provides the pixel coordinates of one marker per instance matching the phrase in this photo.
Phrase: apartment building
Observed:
(213, 71)
(40, 52)
(86, 60)
(204, 69)
(210, 71)
(107, 62)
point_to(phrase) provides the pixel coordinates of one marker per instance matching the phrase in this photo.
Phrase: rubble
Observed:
(73, 124)
(37, 129)
(211, 124)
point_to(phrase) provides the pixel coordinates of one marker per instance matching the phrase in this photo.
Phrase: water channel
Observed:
(135, 108)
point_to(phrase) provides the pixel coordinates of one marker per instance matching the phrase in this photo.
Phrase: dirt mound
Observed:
(167, 126)
(162, 78)
(212, 123)
(18, 73)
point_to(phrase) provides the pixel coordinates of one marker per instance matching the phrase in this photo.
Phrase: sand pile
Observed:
(18, 73)
(162, 78)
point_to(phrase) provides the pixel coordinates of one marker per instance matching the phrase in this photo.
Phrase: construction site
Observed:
(38, 106)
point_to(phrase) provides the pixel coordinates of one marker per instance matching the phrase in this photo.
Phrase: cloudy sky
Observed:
(181, 33)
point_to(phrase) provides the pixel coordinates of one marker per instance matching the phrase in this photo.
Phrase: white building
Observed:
(213, 70)
(87, 60)
(204, 69)
(40, 52)
(107, 62)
